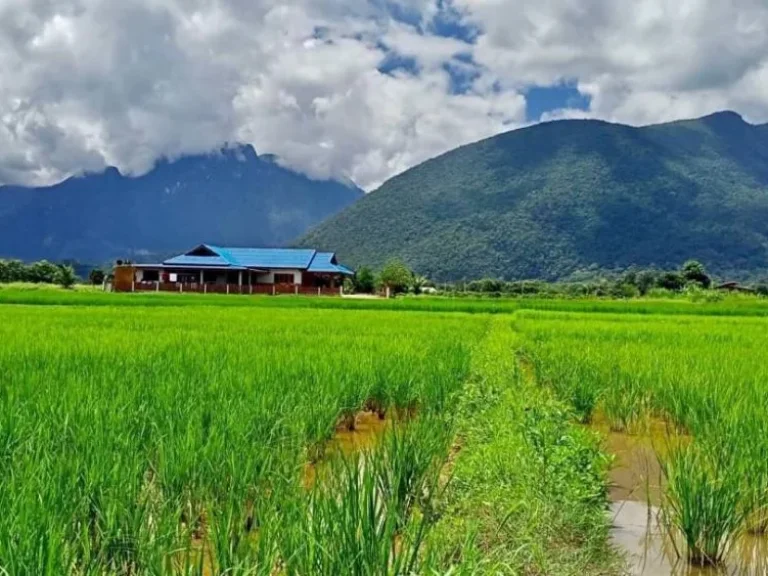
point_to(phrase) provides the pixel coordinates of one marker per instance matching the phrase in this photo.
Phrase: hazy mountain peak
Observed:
(112, 172)
(725, 116)
(240, 152)
(225, 197)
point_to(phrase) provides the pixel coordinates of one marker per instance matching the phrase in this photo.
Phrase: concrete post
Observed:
(202, 277)
(388, 293)
(319, 290)
(133, 285)
(251, 285)
(181, 287)
(240, 278)
(157, 286)
(205, 288)
(227, 287)
(273, 289)
(341, 290)
(296, 289)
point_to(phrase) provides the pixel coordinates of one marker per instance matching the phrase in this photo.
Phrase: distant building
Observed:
(217, 269)
(735, 287)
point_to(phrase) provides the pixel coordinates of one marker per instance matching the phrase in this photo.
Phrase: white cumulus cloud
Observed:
(90, 83)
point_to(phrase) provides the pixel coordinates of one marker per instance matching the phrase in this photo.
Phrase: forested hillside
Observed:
(557, 198)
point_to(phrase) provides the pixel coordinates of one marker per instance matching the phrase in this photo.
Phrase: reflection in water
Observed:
(636, 530)
(636, 479)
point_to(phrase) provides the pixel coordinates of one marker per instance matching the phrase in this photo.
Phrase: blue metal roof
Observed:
(298, 259)
(325, 262)
(185, 260)
(261, 258)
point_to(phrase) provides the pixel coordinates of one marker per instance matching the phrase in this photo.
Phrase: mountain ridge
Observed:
(551, 199)
(231, 196)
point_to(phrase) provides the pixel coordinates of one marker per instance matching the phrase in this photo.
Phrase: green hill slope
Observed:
(546, 201)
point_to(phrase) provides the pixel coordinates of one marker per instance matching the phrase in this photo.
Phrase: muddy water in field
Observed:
(637, 531)
(636, 488)
(367, 431)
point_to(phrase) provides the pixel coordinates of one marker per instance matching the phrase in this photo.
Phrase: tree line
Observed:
(44, 272)
(634, 282)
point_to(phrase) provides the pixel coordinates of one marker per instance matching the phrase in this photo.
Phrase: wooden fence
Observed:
(264, 289)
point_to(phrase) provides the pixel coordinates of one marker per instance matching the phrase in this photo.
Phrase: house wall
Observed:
(220, 277)
(269, 277)
(124, 276)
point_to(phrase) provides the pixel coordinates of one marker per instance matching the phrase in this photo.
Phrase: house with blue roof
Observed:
(219, 269)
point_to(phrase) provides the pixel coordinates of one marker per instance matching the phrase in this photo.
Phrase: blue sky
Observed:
(448, 22)
(541, 100)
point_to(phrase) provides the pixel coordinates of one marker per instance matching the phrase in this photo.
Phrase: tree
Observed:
(671, 281)
(645, 280)
(96, 276)
(624, 290)
(364, 281)
(17, 271)
(693, 271)
(396, 276)
(418, 283)
(66, 277)
(42, 272)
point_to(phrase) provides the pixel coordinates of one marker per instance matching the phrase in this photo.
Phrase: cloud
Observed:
(640, 61)
(90, 83)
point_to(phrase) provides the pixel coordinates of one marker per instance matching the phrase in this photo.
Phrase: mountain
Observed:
(231, 197)
(561, 197)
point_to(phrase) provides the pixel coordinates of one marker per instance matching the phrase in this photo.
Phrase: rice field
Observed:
(704, 380)
(165, 434)
(131, 438)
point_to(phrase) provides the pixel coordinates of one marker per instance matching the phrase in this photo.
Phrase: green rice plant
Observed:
(408, 465)
(167, 434)
(733, 306)
(624, 400)
(702, 378)
(174, 439)
(359, 519)
(749, 439)
(702, 501)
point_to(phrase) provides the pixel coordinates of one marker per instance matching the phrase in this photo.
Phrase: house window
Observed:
(151, 276)
(283, 278)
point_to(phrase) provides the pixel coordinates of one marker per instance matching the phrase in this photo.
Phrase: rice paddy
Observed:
(701, 383)
(165, 434)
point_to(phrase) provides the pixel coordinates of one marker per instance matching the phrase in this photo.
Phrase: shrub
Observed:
(645, 281)
(673, 281)
(96, 276)
(693, 271)
(42, 272)
(364, 281)
(623, 290)
(66, 277)
(396, 276)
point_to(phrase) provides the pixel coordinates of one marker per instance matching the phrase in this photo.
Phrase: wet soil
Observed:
(368, 429)
(636, 487)
(636, 473)
(650, 552)
(365, 434)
